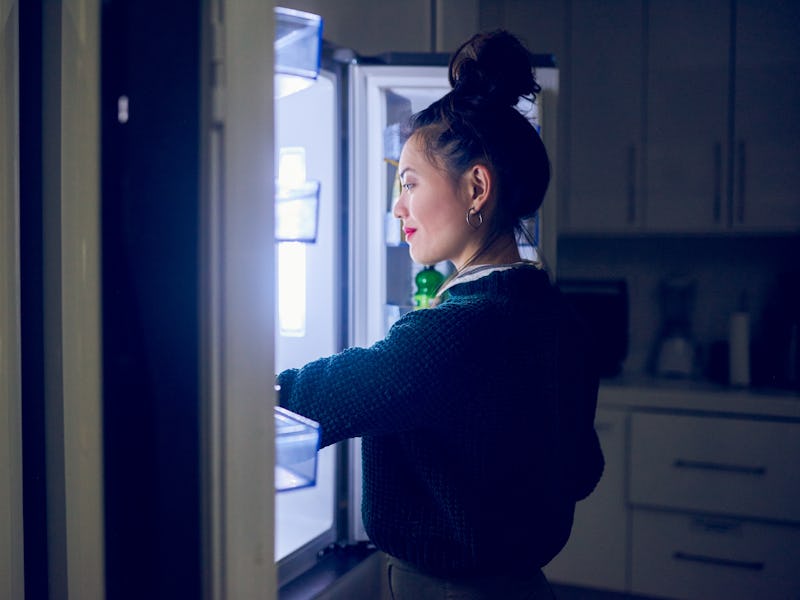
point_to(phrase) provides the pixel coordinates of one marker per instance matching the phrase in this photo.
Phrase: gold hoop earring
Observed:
(471, 215)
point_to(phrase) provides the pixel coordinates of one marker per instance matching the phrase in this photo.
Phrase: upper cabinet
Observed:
(766, 97)
(683, 117)
(686, 109)
(604, 91)
(371, 27)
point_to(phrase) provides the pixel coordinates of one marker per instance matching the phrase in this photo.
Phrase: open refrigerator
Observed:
(347, 281)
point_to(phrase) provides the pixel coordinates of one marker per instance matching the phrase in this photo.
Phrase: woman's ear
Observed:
(479, 180)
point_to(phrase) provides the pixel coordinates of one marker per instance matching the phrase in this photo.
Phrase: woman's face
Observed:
(433, 210)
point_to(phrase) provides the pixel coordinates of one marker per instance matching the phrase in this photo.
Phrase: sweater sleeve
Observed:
(385, 388)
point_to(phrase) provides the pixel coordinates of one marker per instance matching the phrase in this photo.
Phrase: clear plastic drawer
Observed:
(298, 43)
(296, 446)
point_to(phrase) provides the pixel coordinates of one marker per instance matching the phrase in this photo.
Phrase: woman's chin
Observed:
(419, 258)
(424, 258)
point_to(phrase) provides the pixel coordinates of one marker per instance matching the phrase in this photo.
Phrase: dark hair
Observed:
(477, 123)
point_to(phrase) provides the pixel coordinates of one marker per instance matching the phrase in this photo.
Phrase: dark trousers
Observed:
(408, 583)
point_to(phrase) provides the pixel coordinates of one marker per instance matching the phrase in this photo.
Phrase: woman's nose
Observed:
(400, 209)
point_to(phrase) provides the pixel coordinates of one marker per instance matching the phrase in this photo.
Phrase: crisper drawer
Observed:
(685, 556)
(719, 465)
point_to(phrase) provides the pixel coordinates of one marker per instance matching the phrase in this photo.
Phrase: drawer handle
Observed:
(722, 562)
(712, 466)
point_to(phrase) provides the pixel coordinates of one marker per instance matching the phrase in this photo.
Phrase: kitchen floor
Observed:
(565, 592)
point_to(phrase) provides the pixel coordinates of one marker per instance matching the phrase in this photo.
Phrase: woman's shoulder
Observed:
(523, 281)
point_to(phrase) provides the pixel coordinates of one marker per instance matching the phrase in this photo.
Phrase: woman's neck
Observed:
(503, 252)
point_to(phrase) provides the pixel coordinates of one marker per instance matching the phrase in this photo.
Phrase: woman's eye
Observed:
(407, 186)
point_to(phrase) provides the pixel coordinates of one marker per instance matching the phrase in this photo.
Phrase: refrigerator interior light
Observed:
(298, 43)
(292, 289)
(296, 446)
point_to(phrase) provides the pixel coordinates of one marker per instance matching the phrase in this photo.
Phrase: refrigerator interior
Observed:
(382, 97)
(308, 288)
(382, 272)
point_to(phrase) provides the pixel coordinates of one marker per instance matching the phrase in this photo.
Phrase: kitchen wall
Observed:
(765, 269)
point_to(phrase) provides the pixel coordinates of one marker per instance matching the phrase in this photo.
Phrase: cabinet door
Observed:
(605, 104)
(687, 115)
(595, 555)
(371, 27)
(767, 125)
(726, 466)
(697, 557)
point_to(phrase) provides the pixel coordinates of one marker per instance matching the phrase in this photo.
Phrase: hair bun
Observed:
(494, 66)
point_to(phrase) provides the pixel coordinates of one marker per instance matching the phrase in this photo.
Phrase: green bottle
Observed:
(428, 281)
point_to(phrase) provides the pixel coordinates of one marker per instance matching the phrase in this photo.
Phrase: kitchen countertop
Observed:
(648, 393)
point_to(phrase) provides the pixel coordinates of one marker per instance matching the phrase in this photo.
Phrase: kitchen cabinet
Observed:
(605, 95)
(595, 555)
(682, 117)
(715, 506)
(688, 556)
(699, 497)
(766, 152)
(372, 27)
(687, 111)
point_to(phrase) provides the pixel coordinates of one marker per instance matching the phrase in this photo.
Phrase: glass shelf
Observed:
(296, 446)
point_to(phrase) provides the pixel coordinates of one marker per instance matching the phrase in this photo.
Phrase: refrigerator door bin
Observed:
(296, 446)
(297, 213)
(298, 42)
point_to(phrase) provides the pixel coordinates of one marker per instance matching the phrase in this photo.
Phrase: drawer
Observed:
(683, 556)
(736, 467)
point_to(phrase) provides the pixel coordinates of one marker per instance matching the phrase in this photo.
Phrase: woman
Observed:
(476, 415)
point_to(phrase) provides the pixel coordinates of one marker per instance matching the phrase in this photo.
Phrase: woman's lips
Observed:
(409, 231)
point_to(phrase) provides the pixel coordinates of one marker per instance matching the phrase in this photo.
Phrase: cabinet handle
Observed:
(713, 466)
(722, 562)
(717, 525)
(631, 213)
(717, 182)
(742, 167)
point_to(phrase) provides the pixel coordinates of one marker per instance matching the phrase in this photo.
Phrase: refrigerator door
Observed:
(309, 300)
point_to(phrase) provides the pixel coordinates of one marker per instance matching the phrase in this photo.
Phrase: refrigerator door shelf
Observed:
(297, 213)
(296, 446)
(298, 42)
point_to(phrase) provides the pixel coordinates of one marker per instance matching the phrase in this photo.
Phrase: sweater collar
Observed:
(476, 272)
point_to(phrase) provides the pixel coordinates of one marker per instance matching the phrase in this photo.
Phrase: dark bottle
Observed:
(428, 281)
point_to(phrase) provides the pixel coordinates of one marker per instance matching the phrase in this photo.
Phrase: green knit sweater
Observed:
(477, 425)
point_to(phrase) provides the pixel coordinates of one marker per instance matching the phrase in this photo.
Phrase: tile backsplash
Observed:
(763, 270)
